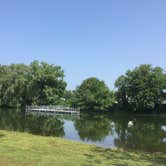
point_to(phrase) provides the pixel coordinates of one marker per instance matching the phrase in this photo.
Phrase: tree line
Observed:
(39, 83)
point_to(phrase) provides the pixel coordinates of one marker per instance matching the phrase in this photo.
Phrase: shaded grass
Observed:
(18, 149)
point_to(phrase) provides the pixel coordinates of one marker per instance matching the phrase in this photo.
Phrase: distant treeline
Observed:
(43, 84)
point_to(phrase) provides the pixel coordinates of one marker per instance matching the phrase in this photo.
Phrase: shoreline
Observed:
(26, 149)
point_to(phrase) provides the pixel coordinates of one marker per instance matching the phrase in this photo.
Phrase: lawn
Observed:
(17, 149)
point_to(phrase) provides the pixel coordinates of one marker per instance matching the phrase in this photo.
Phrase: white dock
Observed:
(53, 109)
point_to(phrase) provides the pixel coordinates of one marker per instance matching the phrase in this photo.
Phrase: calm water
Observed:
(108, 130)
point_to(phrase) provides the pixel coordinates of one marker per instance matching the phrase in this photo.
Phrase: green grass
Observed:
(28, 150)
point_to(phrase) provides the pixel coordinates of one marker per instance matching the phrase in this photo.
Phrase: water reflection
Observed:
(148, 133)
(93, 127)
(44, 125)
(12, 120)
(36, 124)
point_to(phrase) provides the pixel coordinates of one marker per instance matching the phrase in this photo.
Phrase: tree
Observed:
(12, 84)
(38, 83)
(46, 84)
(68, 98)
(93, 94)
(141, 88)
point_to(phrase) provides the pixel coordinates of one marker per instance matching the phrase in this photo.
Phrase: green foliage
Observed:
(39, 83)
(68, 98)
(46, 83)
(93, 94)
(141, 88)
(43, 84)
(12, 84)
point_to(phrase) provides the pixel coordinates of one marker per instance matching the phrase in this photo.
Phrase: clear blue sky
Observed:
(101, 38)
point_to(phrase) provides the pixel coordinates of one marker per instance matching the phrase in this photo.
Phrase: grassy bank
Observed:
(28, 150)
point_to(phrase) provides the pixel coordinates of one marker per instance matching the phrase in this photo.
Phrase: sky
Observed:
(87, 38)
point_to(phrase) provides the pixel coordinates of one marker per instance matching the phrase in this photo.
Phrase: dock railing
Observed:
(51, 108)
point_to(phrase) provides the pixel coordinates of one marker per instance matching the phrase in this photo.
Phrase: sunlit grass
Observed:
(29, 150)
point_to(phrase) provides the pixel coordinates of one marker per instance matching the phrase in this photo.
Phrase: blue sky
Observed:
(101, 38)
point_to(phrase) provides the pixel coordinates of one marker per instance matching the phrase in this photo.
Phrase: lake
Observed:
(110, 130)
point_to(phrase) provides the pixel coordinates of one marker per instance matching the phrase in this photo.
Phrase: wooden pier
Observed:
(53, 109)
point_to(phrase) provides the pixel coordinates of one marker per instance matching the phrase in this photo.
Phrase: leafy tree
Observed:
(93, 94)
(46, 84)
(141, 88)
(68, 98)
(39, 83)
(12, 84)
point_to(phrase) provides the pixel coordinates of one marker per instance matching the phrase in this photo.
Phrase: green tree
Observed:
(12, 84)
(93, 94)
(68, 98)
(141, 88)
(46, 84)
(38, 83)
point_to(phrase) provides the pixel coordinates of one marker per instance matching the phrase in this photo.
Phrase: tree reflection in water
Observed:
(35, 124)
(93, 126)
(44, 125)
(146, 134)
